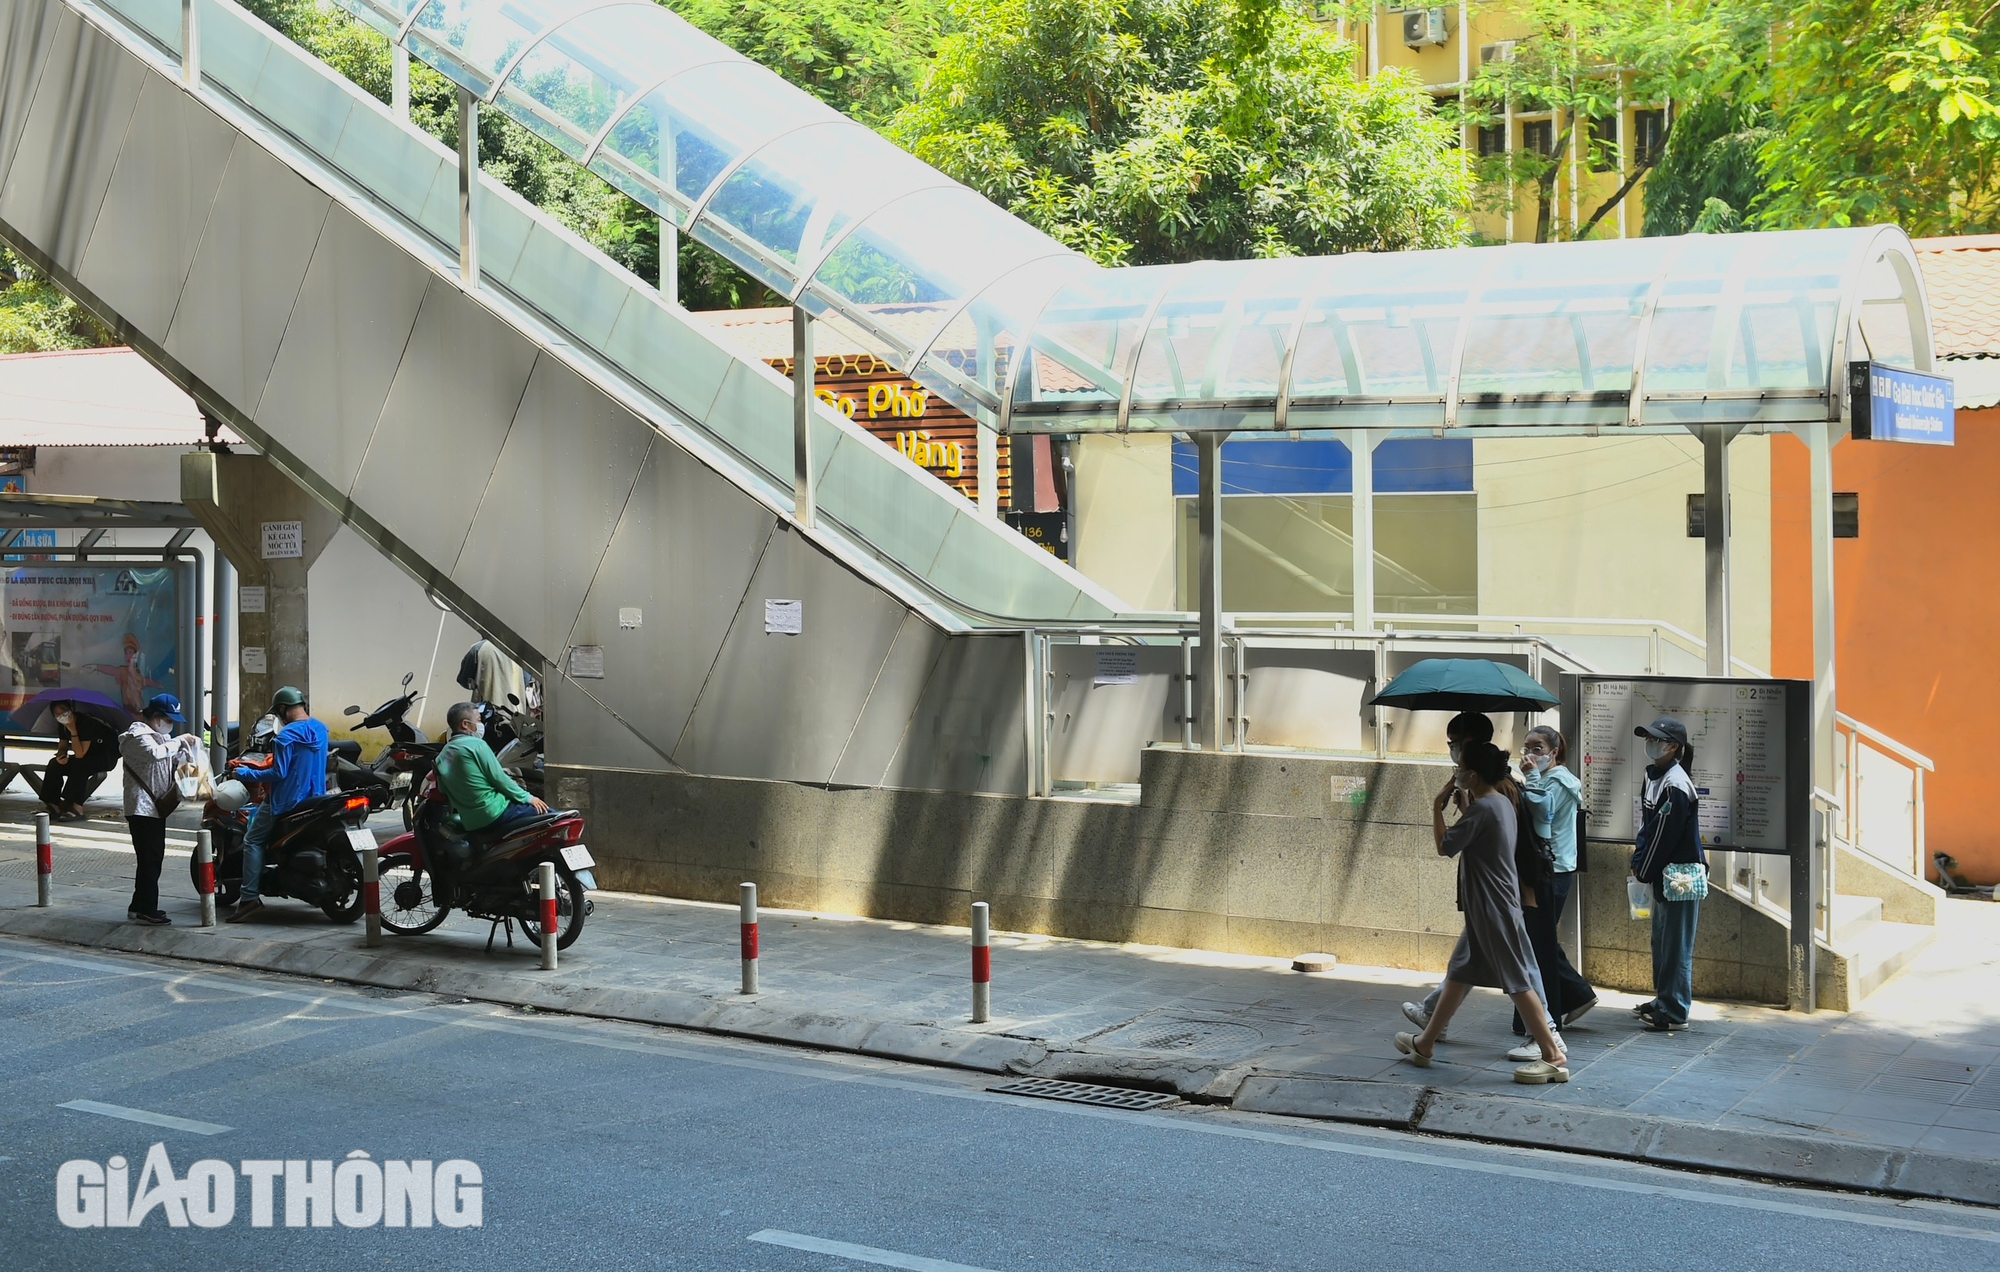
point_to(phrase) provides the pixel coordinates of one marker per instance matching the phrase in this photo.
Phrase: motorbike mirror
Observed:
(408, 676)
(513, 701)
(353, 711)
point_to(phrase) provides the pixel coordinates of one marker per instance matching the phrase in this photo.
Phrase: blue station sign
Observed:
(1892, 405)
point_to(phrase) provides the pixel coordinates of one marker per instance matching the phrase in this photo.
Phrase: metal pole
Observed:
(371, 900)
(190, 45)
(550, 928)
(468, 188)
(1361, 446)
(989, 470)
(670, 261)
(1208, 668)
(221, 638)
(982, 965)
(1715, 520)
(747, 921)
(45, 860)
(1819, 445)
(399, 81)
(802, 413)
(204, 861)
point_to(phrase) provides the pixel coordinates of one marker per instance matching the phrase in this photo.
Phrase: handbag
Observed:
(1684, 881)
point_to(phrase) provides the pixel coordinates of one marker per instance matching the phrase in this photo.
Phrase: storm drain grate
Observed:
(1084, 1093)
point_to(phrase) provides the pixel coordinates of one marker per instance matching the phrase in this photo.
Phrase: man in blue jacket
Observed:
(295, 771)
(1669, 835)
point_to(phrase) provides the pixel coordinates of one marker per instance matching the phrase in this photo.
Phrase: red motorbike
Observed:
(437, 867)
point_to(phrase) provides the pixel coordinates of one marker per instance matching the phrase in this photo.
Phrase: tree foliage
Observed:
(1147, 131)
(37, 318)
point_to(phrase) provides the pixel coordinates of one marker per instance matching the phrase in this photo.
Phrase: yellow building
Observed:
(1447, 45)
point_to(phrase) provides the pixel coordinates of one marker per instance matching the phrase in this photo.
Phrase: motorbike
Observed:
(408, 757)
(314, 854)
(435, 868)
(518, 742)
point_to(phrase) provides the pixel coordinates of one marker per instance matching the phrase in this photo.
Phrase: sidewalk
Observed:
(1902, 1097)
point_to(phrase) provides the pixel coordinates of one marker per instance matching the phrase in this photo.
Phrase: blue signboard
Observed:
(1891, 405)
(1322, 466)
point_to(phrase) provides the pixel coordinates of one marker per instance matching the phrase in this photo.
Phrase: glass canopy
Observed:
(942, 284)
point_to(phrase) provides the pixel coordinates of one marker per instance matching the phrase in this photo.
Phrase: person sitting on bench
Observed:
(486, 800)
(86, 749)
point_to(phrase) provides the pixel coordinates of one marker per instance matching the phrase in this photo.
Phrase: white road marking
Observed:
(859, 1253)
(172, 1123)
(1841, 1208)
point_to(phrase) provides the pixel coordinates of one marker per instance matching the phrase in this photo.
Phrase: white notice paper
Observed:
(1117, 667)
(629, 618)
(784, 618)
(253, 659)
(250, 600)
(586, 662)
(283, 539)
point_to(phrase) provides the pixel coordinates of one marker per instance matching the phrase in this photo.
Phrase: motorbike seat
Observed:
(312, 808)
(491, 835)
(349, 751)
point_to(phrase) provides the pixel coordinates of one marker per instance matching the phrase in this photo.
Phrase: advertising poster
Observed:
(112, 629)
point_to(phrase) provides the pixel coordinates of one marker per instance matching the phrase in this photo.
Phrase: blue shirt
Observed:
(1553, 797)
(298, 767)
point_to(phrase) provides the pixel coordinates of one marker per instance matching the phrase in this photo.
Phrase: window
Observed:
(1604, 144)
(1846, 516)
(1649, 135)
(1539, 135)
(1492, 140)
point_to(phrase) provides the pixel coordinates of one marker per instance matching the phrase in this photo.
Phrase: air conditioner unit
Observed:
(1501, 52)
(1423, 27)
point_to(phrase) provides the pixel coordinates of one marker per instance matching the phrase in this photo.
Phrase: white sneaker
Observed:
(1416, 1015)
(1532, 1050)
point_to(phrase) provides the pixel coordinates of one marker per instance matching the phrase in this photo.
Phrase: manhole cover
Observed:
(1085, 1093)
(1174, 1033)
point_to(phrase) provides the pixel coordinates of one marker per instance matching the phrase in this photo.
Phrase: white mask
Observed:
(1458, 780)
(1656, 750)
(482, 730)
(64, 717)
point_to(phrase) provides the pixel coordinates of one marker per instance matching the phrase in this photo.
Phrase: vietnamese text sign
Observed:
(1117, 667)
(284, 540)
(250, 600)
(1892, 405)
(784, 618)
(254, 663)
(586, 662)
(113, 629)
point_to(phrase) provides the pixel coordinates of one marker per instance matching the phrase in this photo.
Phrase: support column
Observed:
(1809, 866)
(1208, 663)
(670, 261)
(190, 45)
(399, 81)
(989, 468)
(468, 188)
(1361, 446)
(802, 412)
(1715, 505)
(221, 639)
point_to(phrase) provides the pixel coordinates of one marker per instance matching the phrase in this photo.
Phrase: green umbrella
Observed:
(1464, 684)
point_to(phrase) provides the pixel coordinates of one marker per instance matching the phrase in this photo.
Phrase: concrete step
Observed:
(1882, 950)
(1853, 916)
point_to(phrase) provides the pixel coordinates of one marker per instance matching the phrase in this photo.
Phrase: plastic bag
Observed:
(1640, 897)
(194, 780)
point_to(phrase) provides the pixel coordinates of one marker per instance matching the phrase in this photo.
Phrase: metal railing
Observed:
(1881, 788)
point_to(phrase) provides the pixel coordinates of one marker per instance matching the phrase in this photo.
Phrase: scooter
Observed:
(314, 854)
(409, 755)
(519, 755)
(429, 871)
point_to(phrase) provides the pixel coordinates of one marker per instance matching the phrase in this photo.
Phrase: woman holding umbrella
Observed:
(85, 747)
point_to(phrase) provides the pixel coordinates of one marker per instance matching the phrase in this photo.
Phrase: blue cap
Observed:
(167, 705)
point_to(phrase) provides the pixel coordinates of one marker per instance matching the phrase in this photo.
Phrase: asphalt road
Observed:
(604, 1145)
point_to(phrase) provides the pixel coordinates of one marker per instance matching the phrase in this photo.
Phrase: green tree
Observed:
(1886, 112)
(37, 318)
(864, 58)
(1147, 131)
(1711, 172)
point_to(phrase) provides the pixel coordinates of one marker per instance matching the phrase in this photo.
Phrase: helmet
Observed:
(288, 696)
(231, 795)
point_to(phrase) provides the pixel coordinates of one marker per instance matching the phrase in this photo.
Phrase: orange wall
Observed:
(1917, 609)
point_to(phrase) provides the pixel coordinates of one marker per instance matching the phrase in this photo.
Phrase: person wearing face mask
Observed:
(1552, 795)
(153, 756)
(484, 797)
(85, 747)
(1669, 834)
(295, 771)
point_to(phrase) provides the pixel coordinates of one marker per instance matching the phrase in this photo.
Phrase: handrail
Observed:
(1885, 742)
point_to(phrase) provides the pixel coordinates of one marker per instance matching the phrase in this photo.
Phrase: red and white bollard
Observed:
(45, 860)
(550, 928)
(982, 965)
(371, 896)
(204, 875)
(748, 914)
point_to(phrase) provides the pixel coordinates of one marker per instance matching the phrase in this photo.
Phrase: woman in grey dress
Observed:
(1493, 950)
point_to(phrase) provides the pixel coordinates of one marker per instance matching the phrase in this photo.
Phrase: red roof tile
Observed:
(1962, 277)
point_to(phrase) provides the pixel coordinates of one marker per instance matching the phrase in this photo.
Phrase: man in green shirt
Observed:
(484, 798)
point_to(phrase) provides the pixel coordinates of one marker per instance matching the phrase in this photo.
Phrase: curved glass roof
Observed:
(944, 285)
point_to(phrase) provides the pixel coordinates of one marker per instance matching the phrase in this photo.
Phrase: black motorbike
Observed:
(314, 854)
(408, 757)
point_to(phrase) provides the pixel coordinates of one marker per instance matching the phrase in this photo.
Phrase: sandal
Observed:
(1407, 1044)
(1538, 1072)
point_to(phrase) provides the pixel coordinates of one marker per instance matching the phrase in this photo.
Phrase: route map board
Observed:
(1752, 754)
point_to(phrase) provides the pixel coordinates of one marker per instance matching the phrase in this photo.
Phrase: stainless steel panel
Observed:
(246, 274)
(579, 291)
(984, 564)
(340, 351)
(388, 161)
(672, 354)
(1098, 730)
(682, 556)
(83, 104)
(892, 701)
(582, 731)
(968, 731)
(156, 207)
(448, 412)
(1309, 698)
(556, 494)
(784, 706)
(27, 33)
(754, 415)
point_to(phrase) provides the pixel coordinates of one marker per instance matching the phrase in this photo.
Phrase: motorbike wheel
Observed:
(226, 893)
(571, 907)
(409, 898)
(345, 868)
